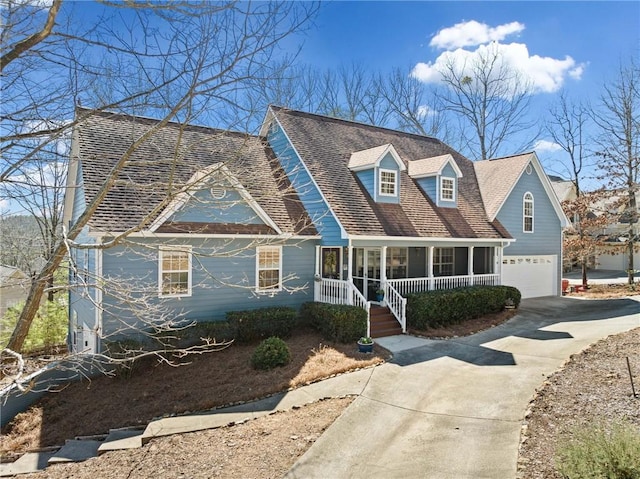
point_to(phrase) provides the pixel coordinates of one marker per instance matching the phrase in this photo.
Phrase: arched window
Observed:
(527, 213)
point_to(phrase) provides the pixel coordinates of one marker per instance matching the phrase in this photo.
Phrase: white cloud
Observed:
(545, 74)
(546, 146)
(473, 33)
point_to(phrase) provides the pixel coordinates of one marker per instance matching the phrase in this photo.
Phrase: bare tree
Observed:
(618, 118)
(567, 127)
(180, 62)
(489, 100)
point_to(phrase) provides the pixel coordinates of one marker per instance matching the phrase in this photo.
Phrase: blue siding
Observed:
(430, 187)
(449, 172)
(219, 284)
(82, 296)
(318, 210)
(203, 208)
(546, 238)
(368, 180)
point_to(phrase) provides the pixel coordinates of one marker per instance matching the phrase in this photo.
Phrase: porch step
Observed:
(383, 323)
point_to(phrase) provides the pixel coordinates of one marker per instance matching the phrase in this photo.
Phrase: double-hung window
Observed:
(447, 189)
(269, 268)
(388, 180)
(527, 213)
(175, 271)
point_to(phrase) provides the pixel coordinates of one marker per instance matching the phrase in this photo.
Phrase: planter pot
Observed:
(379, 297)
(365, 348)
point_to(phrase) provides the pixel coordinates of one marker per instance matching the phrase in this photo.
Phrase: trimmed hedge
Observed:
(256, 324)
(442, 308)
(340, 323)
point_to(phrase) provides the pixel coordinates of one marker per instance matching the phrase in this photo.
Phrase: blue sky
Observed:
(575, 46)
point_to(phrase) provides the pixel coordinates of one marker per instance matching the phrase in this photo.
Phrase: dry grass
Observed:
(608, 291)
(212, 380)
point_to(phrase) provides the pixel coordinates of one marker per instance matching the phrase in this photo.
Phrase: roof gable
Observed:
(143, 193)
(498, 177)
(372, 157)
(432, 166)
(212, 176)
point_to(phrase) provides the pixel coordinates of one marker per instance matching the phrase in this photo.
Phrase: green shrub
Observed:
(218, 331)
(48, 329)
(340, 323)
(442, 308)
(256, 324)
(601, 451)
(271, 353)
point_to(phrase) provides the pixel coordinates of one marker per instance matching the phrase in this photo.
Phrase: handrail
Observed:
(396, 304)
(357, 299)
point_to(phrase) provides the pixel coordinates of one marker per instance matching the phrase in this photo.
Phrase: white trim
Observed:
(343, 231)
(391, 239)
(197, 178)
(180, 248)
(449, 161)
(259, 249)
(533, 212)
(395, 183)
(453, 189)
(99, 294)
(389, 149)
(71, 183)
(147, 234)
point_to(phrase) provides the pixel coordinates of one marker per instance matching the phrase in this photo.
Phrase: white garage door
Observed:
(534, 276)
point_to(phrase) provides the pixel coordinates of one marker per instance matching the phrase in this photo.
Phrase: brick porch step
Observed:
(383, 323)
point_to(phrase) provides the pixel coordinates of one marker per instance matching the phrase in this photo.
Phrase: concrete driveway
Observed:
(454, 409)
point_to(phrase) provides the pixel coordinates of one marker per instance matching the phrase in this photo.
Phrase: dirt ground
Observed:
(269, 446)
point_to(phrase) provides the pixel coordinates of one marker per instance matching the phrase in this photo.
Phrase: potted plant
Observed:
(365, 344)
(380, 295)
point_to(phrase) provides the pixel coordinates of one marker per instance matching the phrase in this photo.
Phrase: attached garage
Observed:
(534, 276)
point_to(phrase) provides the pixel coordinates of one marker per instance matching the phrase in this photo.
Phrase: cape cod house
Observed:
(203, 221)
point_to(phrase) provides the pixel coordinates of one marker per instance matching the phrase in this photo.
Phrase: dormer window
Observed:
(447, 189)
(388, 183)
(379, 169)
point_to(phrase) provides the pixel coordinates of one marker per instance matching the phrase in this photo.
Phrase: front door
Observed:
(366, 271)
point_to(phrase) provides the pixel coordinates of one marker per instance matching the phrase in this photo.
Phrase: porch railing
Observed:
(335, 291)
(396, 304)
(407, 286)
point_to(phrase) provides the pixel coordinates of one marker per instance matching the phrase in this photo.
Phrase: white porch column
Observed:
(498, 267)
(383, 265)
(350, 263)
(316, 284)
(470, 265)
(430, 267)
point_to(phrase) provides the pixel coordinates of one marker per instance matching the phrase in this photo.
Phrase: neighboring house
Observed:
(614, 254)
(14, 286)
(313, 208)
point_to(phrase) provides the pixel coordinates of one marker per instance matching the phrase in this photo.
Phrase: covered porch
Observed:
(365, 274)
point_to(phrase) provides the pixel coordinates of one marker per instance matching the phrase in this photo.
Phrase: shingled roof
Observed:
(497, 178)
(152, 173)
(326, 145)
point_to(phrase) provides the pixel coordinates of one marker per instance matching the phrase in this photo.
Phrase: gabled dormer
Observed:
(378, 169)
(438, 177)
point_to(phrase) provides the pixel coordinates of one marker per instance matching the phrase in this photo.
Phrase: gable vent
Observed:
(218, 192)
